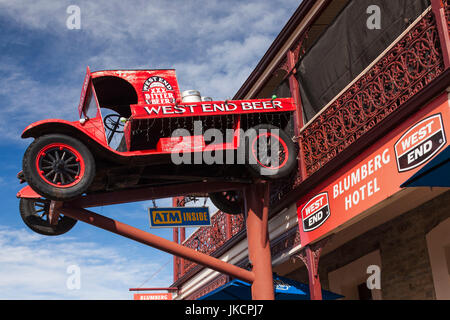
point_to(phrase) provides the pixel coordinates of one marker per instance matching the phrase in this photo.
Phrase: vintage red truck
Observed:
(162, 137)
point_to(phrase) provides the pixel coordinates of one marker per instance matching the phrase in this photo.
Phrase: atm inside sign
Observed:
(179, 217)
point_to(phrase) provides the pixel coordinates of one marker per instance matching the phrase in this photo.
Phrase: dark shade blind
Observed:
(283, 90)
(348, 46)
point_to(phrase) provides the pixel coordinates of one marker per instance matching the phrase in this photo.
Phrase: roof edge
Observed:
(289, 28)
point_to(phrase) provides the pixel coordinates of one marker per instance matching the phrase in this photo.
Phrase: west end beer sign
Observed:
(376, 174)
(212, 108)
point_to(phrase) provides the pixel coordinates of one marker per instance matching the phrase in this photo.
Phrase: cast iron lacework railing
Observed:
(209, 239)
(411, 64)
(414, 62)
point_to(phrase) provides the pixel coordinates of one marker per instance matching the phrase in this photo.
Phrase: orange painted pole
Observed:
(315, 288)
(180, 202)
(176, 260)
(256, 205)
(294, 87)
(157, 242)
(176, 264)
(182, 239)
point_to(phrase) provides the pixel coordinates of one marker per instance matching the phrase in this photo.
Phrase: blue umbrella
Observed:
(285, 289)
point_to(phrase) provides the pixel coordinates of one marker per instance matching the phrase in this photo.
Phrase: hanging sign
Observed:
(153, 296)
(179, 217)
(217, 108)
(375, 174)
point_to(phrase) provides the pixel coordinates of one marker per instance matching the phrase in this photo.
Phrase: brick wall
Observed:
(406, 270)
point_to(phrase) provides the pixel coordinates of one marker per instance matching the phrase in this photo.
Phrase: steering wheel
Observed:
(113, 123)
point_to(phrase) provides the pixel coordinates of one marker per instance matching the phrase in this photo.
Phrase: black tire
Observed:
(230, 202)
(258, 142)
(34, 213)
(58, 177)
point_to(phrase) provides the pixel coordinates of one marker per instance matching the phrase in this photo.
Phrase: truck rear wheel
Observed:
(34, 212)
(58, 167)
(230, 202)
(271, 154)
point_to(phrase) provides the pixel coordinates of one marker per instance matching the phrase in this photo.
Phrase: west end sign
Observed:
(375, 174)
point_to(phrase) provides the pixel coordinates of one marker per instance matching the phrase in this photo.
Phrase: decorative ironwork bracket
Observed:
(310, 256)
(316, 250)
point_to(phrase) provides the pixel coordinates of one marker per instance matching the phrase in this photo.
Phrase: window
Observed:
(90, 107)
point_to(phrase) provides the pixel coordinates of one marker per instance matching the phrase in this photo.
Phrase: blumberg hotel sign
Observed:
(375, 174)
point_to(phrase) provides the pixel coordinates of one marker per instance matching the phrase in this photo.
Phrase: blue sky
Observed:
(213, 45)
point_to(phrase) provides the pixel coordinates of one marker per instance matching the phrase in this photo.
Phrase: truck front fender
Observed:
(90, 133)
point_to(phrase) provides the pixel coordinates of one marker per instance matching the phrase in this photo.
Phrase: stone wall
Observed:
(405, 271)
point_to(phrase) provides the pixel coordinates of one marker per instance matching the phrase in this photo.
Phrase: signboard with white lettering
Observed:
(315, 212)
(213, 108)
(420, 143)
(179, 217)
(152, 296)
(376, 174)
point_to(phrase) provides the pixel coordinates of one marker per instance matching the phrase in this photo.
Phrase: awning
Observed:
(285, 289)
(434, 174)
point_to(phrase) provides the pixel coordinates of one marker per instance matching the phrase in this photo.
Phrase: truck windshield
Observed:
(90, 108)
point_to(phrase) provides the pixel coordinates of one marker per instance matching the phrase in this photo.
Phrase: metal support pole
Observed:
(256, 205)
(315, 288)
(257, 209)
(180, 202)
(310, 256)
(176, 271)
(182, 238)
(177, 268)
(157, 242)
(294, 87)
(311, 260)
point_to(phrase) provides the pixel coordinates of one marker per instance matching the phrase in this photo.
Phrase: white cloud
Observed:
(214, 45)
(26, 99)
(38, 14)
(35, 267)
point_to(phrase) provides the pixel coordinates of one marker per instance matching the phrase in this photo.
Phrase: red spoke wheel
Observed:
(230, 202)
(271, 154)
(35, 214)
(58, 167)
